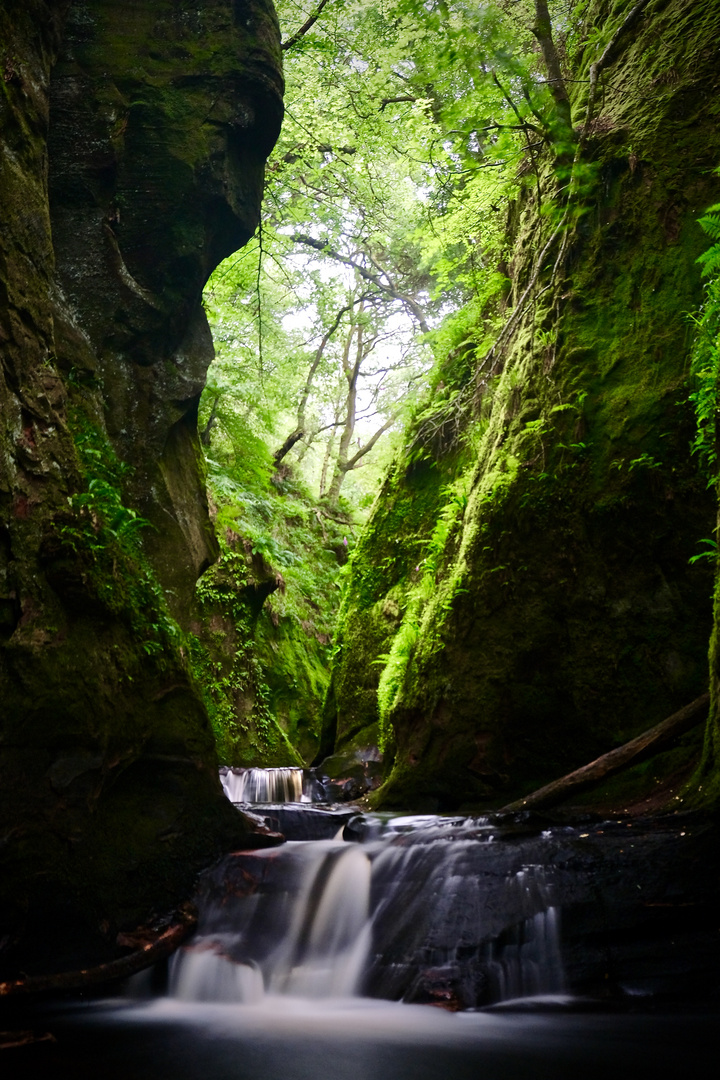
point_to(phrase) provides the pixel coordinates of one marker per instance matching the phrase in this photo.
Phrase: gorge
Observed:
(522, 595)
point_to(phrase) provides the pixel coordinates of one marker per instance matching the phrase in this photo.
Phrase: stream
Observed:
(397, 947)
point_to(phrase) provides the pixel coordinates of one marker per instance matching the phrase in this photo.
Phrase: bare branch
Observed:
(396, 101)
(524, 127)
(307, 25)
(352, 462)
(316, 361)
(287, 446)
(324, 247)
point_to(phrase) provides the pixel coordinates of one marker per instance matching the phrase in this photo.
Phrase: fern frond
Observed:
(710, 224)
(710, 261)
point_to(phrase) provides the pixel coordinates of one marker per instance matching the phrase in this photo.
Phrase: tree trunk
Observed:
(351, 374)
(153, 947)
(644, 746)
(556, 83)
(206, 431)
(287, 446)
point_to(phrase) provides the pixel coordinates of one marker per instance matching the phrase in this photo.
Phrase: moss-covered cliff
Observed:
(263, 620)
(133, 142)
(523, 594)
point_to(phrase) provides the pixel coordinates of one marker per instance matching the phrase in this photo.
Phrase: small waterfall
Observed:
(205, 974)
(428, 911)
(325, 949)
(280, 785)
(527, 960)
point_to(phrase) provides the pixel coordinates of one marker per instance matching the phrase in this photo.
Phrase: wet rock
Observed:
(348, 776)
(304, 822)
(134, 141)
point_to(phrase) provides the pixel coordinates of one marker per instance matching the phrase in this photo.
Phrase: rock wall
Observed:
(525, 573)
(134, 137)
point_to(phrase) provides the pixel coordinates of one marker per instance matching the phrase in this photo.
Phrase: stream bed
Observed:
(359, 1040)
(397, 947)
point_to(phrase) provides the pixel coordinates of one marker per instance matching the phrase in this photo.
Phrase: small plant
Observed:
(705, 367)
(645, 461)
(104, 534)
(394, 671)
(710, 553)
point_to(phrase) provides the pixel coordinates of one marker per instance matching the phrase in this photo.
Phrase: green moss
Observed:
(563, 616)
(109, 795)
(265, 615)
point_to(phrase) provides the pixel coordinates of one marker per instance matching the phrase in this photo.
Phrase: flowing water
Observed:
(280, 785)
(323, 956)
(428, 911)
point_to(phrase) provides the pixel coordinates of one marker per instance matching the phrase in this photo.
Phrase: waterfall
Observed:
(425, 910)
(281, 785)
(324, 951)
(206, 975)
(527, 960)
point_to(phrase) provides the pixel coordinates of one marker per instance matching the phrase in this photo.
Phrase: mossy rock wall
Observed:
(262, 633)
(133, 143)
(564, 616)
(228, 620)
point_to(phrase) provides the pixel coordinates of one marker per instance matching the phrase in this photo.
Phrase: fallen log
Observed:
(645, 745)
(156, 947)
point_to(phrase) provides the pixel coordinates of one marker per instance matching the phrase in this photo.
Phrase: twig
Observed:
(307, 25)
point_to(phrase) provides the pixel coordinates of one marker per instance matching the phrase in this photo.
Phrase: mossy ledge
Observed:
(134, 140)
(559, 615)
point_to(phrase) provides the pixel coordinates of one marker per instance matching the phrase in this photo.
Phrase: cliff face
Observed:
(134, 139)
(528, 584)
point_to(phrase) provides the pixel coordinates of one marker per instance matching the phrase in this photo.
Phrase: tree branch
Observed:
(307, 25)
(287, 446)
(318, 357)
(395, 101)
(524, 127)
(324, 247)
(352, 462)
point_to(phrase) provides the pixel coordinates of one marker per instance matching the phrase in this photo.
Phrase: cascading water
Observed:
(280, 785)
(320, 956)
(428, 911)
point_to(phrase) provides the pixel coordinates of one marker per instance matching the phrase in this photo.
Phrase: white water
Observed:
(279, 785)
(415, 914)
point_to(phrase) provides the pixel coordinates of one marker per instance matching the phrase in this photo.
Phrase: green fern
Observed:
(705, 366)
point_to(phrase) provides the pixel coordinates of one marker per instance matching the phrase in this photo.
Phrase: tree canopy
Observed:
(409, 130)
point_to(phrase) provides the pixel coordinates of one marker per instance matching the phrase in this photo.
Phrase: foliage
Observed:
(548, 381)
(104, 535)
(264, 670)
(706, 351)
(434, 192)
(409, 130)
